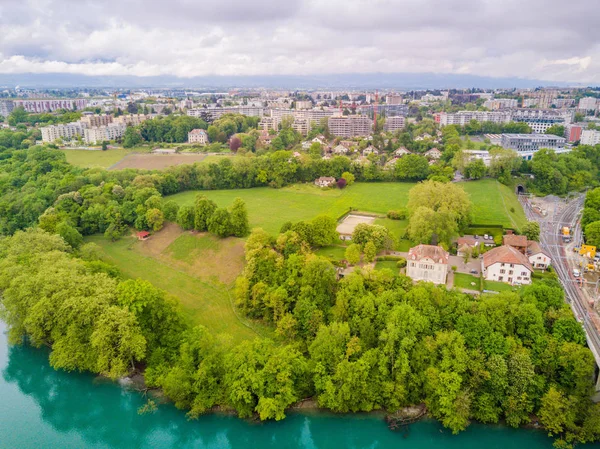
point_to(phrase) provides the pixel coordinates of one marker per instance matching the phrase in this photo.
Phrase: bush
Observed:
(453, 267)
(401, 263)
(397, 214)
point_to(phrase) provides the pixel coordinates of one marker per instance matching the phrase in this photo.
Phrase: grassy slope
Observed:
(204, 302)
(270, 208)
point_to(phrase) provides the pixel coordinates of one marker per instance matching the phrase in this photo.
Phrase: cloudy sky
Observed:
(555, 40)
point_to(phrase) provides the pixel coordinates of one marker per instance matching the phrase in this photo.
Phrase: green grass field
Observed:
(499, 286)
(463, 280)
(332, 252)
(391, 264)
(204, 300)
(269, 208)
(94, 159)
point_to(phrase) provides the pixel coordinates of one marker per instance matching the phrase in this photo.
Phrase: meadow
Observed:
(268, 208)
(198, 269)
(95, 158)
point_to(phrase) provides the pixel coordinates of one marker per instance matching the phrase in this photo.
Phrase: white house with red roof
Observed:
(427, 263)
(506, 264)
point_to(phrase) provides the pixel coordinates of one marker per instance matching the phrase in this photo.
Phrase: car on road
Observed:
(576, 272)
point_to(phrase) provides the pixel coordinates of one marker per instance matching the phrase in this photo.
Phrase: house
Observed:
(306, 145)
(143, 235)
(401, 152)
(198, 136)
(370, 150)
(434, 153)
(519, 242)
(296, 154)
(362, 160)
(466, 244)
(340, 149)
(319, 139)
(347, 143)
(538, 258)
(265, 138)
(506, 264)
(325, 181)
(427, 263)
(391, 164)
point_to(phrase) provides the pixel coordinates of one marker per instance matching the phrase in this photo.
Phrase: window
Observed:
(512, 265)
(524, 273)
(510, 272)
(501, 278)
(502, 271)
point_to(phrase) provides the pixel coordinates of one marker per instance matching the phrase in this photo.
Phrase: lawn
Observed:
(95, 158)
(463, 280)
(391, 264)
(269, 208)
(332, 252)
(196, 269)
(499, 286)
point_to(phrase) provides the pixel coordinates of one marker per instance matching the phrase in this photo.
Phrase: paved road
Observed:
(566, 214)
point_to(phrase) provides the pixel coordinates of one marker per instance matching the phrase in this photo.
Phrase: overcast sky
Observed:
(555, 40)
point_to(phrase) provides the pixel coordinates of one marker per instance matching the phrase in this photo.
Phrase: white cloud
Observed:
(535, 39)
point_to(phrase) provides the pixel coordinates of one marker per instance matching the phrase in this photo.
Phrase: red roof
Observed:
(435, 253)
(505, 254)
(143, 234)
(515, 240)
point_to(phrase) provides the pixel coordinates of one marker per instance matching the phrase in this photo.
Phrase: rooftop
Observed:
(433, 252)
(505, 254)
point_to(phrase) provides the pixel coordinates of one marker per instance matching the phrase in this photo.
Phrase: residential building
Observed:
(461, 118)
(527, 144)
(538, 258)
(63, 131)
(6, 107)
(573, 132)
(198, 136)
(325, 181)
(340, 149)
(484, 155)
(519, 242)
(427, 263)
(530, 102)
(51, 105)
(350, 125)
(96, 120)
(370, 150)
(465, 245)
(393, 124)
(588, 104)
(131, 119)
(434, 153)
(506, 264)
(393, 99)
(540, 120)
(401, 152)
(214, 113)
(501, 103)
(563, 103)
(304, 104)
(99, 134)
(590, 137)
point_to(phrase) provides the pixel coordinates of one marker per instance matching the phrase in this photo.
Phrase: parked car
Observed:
(576, 272)
(474, 272)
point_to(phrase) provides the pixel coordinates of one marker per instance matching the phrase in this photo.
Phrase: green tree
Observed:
(203, 211)
(592, 234)
(69, 234)
(131, 138)
(155, 219)
(352, 254)
(119, 342)
(185, 217)
(557, 130)
(220, 223)
(349, 177)
(324, 231)
(531, 230)
(370, 251)
(239, 218)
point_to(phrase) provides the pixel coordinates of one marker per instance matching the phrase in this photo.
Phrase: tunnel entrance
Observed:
(521, 190)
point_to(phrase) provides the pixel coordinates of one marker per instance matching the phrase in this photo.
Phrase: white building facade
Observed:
(427, 263)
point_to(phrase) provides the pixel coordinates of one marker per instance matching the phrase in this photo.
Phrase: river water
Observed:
(43, 408)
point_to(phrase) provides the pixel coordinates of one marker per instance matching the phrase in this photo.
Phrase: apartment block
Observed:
(393, 124)
(590, 137)
(63, 131)
(350, 125)
(131, 119)
(51, 105)
(461, 118)
(96, 120)
(99, 134)
(588, 104)
(501, 103)
(215, 113)
(573, 132)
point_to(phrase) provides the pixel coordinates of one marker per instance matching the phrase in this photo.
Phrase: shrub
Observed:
(397, 214)
(401, 262)
(453, 267)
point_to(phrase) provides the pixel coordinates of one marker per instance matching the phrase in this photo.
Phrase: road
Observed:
(566, 214)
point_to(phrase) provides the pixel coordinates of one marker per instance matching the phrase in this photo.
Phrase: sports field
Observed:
(269, 208)
(198, 269)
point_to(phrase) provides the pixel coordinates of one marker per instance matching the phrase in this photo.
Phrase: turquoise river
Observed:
(42, 408)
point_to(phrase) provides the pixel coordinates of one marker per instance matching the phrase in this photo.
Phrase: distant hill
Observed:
(403, 81)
